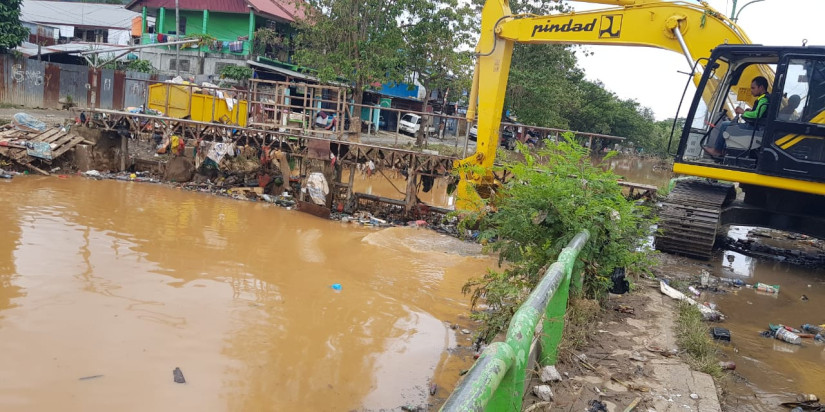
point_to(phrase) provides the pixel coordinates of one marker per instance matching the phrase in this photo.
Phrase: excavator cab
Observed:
(788, 141)
(778, 162)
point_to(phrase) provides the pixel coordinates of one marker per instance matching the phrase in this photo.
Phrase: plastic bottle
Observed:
(816, 329)
(766, 288)
(734, 282)
(787, 336)
(727, 365)
(694, 291)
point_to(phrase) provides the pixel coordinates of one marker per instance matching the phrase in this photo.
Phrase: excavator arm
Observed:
(686, 28)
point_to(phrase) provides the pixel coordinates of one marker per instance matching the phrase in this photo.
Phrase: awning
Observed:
(291, 73)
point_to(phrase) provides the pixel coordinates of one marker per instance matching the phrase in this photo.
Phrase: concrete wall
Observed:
(161, 60)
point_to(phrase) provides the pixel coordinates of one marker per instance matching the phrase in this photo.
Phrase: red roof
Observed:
(287, 10)
(284, 9)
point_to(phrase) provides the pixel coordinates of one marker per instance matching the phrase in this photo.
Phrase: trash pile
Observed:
(795, 336)
(27, 139)
(815, 257)
(805, 402)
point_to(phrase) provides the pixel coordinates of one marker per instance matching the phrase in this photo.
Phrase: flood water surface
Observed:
(106, 287)
(774, 371)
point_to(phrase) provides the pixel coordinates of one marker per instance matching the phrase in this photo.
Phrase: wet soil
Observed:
(630, 356)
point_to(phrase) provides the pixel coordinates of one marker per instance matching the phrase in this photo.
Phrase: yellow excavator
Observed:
(778, 162)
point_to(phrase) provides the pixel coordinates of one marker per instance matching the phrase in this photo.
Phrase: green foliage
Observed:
(358, 41)
(433, 33)
(139, 65)
(271, 41)
(239, 73)
(694, 338)
(202, 38)
(12, 32)
(538, 212)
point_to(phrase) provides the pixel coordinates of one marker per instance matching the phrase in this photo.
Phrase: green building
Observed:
(232, 23)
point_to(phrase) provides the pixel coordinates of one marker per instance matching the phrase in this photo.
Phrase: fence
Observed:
(498, 379)
(34, 83)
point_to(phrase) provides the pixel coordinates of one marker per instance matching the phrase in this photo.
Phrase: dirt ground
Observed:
(630, 355)
(48, 116)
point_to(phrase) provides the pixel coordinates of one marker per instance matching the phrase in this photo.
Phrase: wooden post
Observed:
(411, 192)
(124, 147)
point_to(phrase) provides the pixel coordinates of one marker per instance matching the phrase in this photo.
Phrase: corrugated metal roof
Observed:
(110, 16)
(222, 6)
(30, 49)
(283, 9)
(286, 10)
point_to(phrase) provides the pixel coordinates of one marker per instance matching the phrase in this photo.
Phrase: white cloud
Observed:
(651, 76)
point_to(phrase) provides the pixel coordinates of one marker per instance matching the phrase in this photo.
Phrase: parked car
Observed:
(508, 136)
(411, 123)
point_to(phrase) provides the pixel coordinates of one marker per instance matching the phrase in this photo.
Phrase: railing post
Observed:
(553, 324)
(520, 337)
(482, 381)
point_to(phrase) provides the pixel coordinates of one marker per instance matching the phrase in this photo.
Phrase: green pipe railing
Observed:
(497, 380)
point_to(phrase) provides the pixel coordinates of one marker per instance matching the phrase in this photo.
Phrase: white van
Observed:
(410, 124)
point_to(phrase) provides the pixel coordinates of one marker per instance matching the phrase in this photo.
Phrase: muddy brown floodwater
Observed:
(768, 371)
(120, 283)
(773, 371)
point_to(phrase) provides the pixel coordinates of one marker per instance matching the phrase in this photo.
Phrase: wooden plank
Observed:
(313, 209)
(61, 140)
(47, 136)
(67, 146)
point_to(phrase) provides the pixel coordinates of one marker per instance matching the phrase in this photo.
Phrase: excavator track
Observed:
(689, 217)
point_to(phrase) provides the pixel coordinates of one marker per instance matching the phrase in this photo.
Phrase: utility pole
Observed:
(177, 37)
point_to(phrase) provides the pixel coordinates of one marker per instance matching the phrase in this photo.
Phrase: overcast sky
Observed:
(650, 75)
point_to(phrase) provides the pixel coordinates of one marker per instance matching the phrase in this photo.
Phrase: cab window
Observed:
(803, 94)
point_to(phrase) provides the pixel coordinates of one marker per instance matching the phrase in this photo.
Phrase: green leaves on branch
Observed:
(12, 32)
(538, 212)
(238, 73)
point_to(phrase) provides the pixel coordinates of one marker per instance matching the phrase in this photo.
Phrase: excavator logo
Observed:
(611, 26)
(563, 28)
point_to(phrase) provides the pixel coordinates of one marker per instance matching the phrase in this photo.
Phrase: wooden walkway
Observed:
(16, 146)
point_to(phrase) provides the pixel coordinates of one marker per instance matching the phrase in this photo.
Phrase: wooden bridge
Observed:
(309, 149)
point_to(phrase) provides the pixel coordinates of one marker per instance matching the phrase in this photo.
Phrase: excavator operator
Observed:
(759, 89)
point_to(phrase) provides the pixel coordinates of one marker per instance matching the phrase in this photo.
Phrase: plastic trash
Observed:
(734, 282)
(336, 286)
(178, 375)
(819, 338)
(788, 336)
(728, 366)
(763, 287)
(707, 313)
(694, 291)
(720, 334)
(705, 278)
(27, 123)
(816, 329)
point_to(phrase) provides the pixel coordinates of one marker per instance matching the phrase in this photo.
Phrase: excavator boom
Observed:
(686, 28)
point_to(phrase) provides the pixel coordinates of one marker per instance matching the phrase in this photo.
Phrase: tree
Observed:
(434, 34)
(542, 207)
(12, 32)
(357, 41)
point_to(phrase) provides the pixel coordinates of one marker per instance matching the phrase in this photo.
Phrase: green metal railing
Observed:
(497, 380)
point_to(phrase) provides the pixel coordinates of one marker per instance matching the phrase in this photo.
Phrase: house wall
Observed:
(225, 27)
(212, 62)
